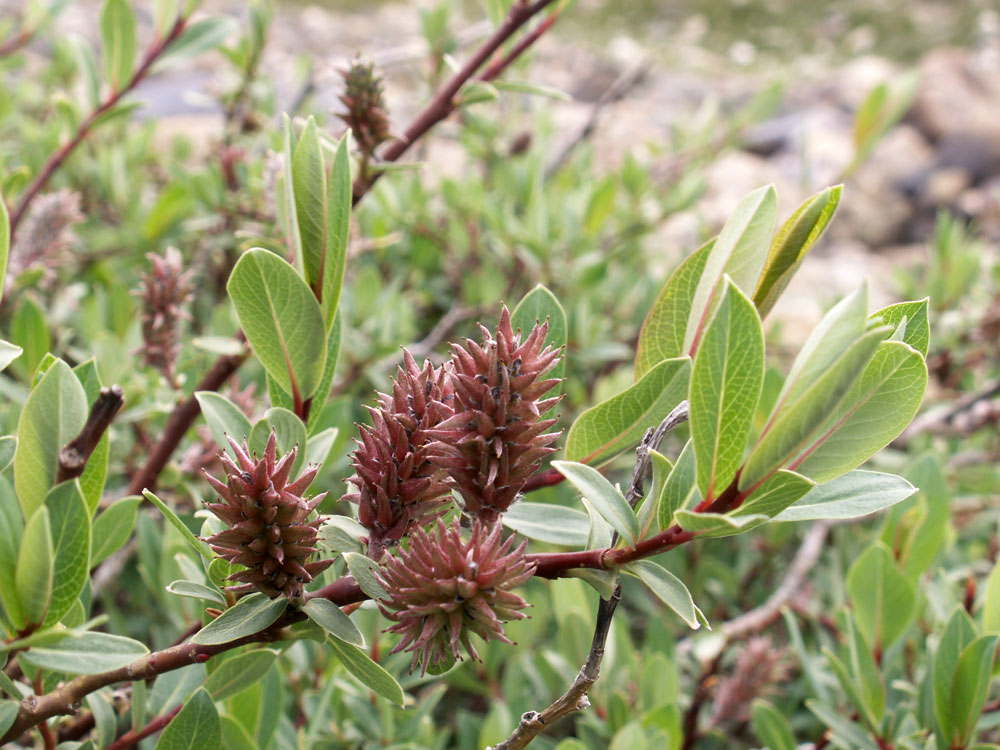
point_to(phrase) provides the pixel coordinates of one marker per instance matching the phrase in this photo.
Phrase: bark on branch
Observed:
(74, 455)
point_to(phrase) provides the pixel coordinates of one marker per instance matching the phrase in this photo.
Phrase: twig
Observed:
(761, 617)
(55, 160)
(75, 454)
(135, 736)
(444, 101)
(650, 442)
(701, 692)
(575, 699)
(802, 564)
(16, 42)
(615, 92)
(942, 421)
(35, 709)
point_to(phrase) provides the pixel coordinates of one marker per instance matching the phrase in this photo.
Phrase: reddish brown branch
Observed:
(444, 100)
(55, 160)
(16, 42)
(75, 454)
(134, 737)
(180, 420)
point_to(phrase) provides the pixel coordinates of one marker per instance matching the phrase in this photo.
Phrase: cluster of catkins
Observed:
(474, 426)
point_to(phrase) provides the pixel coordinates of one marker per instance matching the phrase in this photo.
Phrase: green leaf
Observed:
(540, 305)
(235, 736)
(991, 602)
(4, 248)
(69, 521)
(604, 496)
(866, 673)
(853, 495)
(171, 688)
(86, 653)
(739, 252)
(289, 431)
(342, 534)
(196, 544)
(8, 446)
(239, 672)
(851, 688)
(600, 205)
(30, 332)
(281, 319)
(35, 561)
(712, 525)
(53, 415)
(880, 404)
(648, 511)
(194, 590)
(726, 383)
(779, 492)
(971, 684)
(546, 522)
(846, 733)
(224, 418)
(118, 42)
(918, 331)
(8, 709)
(338, 232)
(249, 615)
(881, 109)
(291, 216)
(884, 599)
(662, 333)
(323, 391)
(96, 471)
(791, 243)
(366, 671)
(105, 720)
(309, 183)
(8, 353)
(612, 427)
(771, 727)
(196, 727)
(841, 327)
(681, 488)
(197, 38)
(332, 619)
(958, 633)
(668, 588)
(794, 427)
(11, 531)
(112, 528)
(363, 569)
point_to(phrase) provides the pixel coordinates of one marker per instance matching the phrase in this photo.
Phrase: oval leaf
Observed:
(726, 382)
(366, 671)
(249, 615)
(855, 494)
(332, 619)
(196, 726)
(53, 415)
(612, 427)
(668, 588)
(546, 522)
(603, 496)
(88, 653)
(281, 319)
